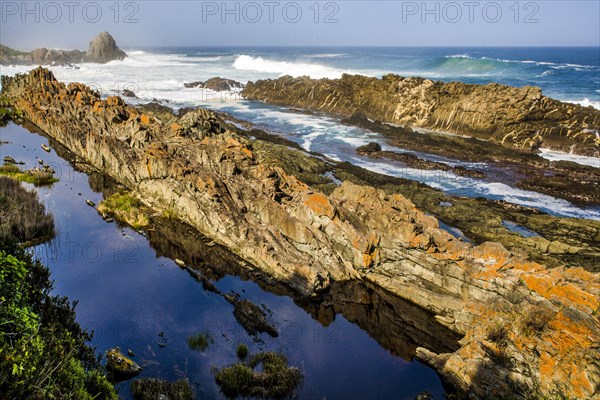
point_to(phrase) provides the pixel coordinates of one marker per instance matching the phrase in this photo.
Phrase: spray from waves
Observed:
(586, 103)
(280, 68)
(553, 155)
(325, 55)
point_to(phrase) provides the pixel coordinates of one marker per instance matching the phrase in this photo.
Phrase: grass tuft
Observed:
(200, 341)
(275, 380)
(125, 208)
(36, 176)
(242, 351)
(153, 388)
(22, 216)
(535, 320)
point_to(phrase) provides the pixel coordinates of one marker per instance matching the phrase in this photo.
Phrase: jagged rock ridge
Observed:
(519, 117)
(208, 176)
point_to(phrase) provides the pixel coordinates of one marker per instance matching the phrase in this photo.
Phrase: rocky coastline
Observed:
(495, 124)
(102, 49)
(525, 328)
(520, 118)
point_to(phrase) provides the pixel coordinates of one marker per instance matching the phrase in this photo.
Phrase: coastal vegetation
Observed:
(22, 217)
(126, 208)
(36, 176)
(200, 341)
(43, 350)
(241, 351)
(154, 388)
(266, 376)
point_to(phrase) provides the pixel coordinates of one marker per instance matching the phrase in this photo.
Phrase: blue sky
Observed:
(63, 24)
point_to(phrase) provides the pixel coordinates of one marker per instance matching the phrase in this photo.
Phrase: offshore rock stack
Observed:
(526, 328)
(102, 49)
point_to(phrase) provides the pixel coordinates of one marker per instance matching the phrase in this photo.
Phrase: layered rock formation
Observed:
(516, 117)
(526, 328)
(102, 49)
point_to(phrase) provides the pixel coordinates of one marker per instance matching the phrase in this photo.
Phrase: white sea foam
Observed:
(554, 155)
(579, 67)
(260, 64)
(586, 103)
(459, 56)
(492, 190)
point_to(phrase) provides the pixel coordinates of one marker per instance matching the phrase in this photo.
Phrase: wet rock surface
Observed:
(251, 317)
(231, 189)
(491, 125)
(574, 182)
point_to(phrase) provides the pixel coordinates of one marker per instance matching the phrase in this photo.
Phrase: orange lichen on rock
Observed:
(554, 285)
(144, 119)
(247, 152)
(98, 106)
(114, 101)
(320, 205)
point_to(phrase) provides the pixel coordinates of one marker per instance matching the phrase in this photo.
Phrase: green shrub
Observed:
(43, 351)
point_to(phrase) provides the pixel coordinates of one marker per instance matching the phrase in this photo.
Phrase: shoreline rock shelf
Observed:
(520, 118)
(208, 176)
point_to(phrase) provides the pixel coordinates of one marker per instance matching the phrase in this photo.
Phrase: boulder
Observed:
(120, 366)
(102, 49)
(372, 147)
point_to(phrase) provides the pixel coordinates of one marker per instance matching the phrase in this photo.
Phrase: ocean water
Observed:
(568, 74)
(129, 290)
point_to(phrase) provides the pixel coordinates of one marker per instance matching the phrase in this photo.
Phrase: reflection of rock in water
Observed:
(396, 324)
(176, 240)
